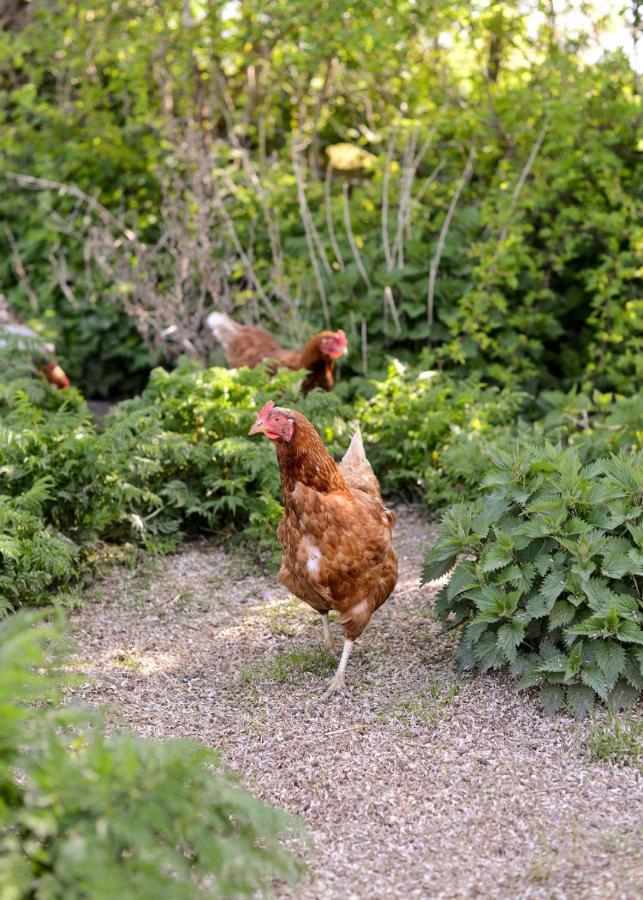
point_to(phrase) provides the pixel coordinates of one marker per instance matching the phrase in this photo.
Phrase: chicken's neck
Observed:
(305, 459)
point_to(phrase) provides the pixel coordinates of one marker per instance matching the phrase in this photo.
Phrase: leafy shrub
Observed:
(550, 576)
(92, 815)
(415, 417)
(174, 460)
(476, 421)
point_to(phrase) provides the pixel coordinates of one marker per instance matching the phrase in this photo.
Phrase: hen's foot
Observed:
(338, 683)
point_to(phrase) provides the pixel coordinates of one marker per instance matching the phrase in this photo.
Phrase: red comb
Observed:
(265, 409)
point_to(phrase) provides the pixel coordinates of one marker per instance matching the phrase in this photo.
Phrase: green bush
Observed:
(413, 420)
(549, 575)
(175, 460)
(84, 814)
(538, 272)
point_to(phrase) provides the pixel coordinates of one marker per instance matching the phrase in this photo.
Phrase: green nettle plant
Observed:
(83, 814)
(414, 419)
(548, 577)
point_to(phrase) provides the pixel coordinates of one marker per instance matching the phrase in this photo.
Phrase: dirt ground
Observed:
(415, 783)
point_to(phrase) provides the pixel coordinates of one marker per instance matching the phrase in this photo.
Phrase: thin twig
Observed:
(19, 269)
(522, 179)
(388, 294)
(310, 243)
(364, 348)
(351, 238)
(435, 262)
(31, 181)
(388, 256)
(329, 217)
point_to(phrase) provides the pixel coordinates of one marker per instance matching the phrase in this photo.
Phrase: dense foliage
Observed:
(83, 814)
(477, 192)
(549, 575)
(417, 416)
(174, 460)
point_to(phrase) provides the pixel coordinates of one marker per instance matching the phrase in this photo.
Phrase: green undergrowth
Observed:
(87, 814)
(548, 577)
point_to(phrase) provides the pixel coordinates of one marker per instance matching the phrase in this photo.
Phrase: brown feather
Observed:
(249, 345)
(336, 532)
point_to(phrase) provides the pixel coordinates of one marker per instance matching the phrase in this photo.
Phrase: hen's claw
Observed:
(338, 683)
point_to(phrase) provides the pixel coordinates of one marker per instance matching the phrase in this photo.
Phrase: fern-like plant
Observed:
(84, 814)
(549, 575)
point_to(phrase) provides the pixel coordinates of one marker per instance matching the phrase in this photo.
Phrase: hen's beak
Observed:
(257, 428)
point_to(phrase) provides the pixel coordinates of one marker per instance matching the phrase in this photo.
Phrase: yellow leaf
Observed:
(346, 157)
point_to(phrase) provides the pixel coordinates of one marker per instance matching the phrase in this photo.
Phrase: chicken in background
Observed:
(23, 337)
(248, 345)
(336, 533)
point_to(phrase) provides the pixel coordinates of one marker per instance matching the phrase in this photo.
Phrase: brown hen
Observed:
(336, 533)
(248, 345)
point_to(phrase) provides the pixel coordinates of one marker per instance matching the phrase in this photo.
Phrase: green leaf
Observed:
(494, 557)
(510, 636)
(629, 632)
(561, 614)
(610, 656)
(438, 562)
(593, 677)
(551, 697)
(580, 699)
(463, 579)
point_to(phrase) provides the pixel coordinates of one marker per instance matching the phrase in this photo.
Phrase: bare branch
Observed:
(435, 262)
(351, 238)
(329, 217)
(364, 348)
(522, 179)
(388, 256)
(21, 272)
(310, 242)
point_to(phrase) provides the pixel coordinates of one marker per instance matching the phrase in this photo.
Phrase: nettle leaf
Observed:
(629, 632)
(636, 562)
(495, 506)
(551, 698)
(522, 577)
(487, 652)
(616, 559)
(593, 677)
(552, 586)
(610, 657)
(438, 561)
(632, 672)
(510, 636)
(562, 613)
(554, 664)
(494, 557)
(465, 658)
(463, 579)
(580, 699)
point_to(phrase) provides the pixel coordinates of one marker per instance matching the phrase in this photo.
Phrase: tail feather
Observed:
(222, 327)
(355, 455)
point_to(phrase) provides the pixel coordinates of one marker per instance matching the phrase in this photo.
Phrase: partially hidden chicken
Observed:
(248, 345)
(14, 333)
(336, 533)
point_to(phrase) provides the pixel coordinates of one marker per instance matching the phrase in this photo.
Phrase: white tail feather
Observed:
(355, 453)
(222, 327)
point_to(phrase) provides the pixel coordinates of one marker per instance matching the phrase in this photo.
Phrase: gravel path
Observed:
(417, 783)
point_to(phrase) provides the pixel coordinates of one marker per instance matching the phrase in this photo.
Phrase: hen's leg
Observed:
(328, 637)
(338, 683)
